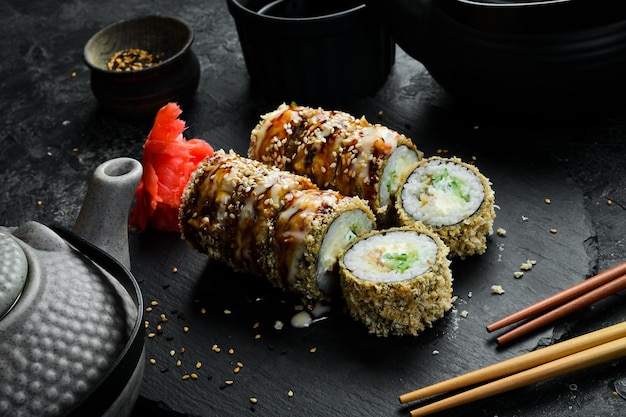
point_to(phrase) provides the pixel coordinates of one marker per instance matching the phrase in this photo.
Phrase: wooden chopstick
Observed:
(576, 361)
(561, 297)
(591, 297)
(521, 363)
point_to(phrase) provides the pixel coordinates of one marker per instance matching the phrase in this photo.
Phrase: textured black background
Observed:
(53, 136)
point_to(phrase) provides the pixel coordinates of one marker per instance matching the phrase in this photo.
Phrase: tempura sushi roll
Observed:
(454, 199)
(311, 232)
(397, 281)
(270, 223)
(229, 208)
(337, 151)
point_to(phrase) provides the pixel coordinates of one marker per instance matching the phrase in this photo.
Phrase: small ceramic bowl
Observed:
(312, 52)
(139, 65)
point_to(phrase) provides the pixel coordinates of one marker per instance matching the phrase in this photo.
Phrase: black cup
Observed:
(312, 52)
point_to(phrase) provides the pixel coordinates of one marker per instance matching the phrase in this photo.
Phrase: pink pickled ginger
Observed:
(168, 162)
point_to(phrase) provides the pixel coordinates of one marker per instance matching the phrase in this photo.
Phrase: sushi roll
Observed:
(452, 198)
(397, 281)
(311, 232)
(337, 151)
(270, 223)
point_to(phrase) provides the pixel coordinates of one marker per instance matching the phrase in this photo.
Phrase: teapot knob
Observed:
(103, 217)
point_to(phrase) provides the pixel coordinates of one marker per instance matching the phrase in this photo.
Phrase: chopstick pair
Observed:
(563, 303)
(559, 359)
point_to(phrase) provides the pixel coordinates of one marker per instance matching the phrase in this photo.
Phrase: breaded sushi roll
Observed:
(452, 198)
(336, 151)
(397, 281)
(271, 223)
(311, 231)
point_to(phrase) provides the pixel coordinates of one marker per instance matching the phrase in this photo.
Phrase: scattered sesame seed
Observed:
(185, 329)
(178, 363)
(526, 266)
(547, 200)
(253, 400)
(152, 361)
(174, 270)
(198, 365)
(215, 348)
(257, 336)
(203, 310)
(227, 311)
(236, 370)
(553, 231)
(435, 352)
(231, 351)
(229, 382)
(151, 335)
(194, 376)
(255, 325)
(609, 202)
(313, 350)
(240, 364)
(290, 393)
(186, 376)
(497, 289)
(172, 352)
(148, 309)
(154, 303)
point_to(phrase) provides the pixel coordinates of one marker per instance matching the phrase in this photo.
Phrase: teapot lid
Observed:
(13, 272)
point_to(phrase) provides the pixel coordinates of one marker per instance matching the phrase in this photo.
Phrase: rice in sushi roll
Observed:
(452, 198)
(270, 223)
(337, 151)
(397, 281)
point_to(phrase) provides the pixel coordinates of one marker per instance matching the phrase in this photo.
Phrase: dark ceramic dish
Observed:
(312, 52)
(533, 53)
(141, 92)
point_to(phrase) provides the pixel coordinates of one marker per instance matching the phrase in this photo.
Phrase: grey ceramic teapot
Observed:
(71, 341)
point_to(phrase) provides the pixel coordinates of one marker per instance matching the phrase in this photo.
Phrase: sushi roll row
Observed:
(336, 151)
(317, 243)
(271, 223)
(340, 152)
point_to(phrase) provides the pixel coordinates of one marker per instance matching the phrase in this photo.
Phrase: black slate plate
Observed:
(334, 364)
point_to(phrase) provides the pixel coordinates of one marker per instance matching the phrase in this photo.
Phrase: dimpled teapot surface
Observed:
(64, 324)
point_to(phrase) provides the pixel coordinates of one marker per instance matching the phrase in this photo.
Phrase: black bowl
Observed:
(174, 75)
(545, 53)
(314, 52)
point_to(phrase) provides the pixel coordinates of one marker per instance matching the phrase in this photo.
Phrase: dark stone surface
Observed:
(53, 135)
